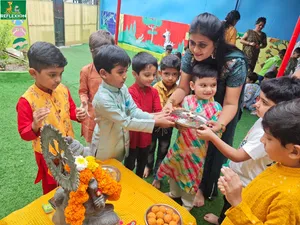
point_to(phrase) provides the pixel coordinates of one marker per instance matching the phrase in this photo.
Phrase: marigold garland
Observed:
(75, 211)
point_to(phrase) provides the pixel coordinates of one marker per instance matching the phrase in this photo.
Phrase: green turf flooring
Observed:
(17, 164)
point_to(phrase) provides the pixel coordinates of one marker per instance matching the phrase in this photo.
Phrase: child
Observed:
(270, 75)
(178, 54)
(168, 51)
(169, 71)
(290, 69)
(273, 196)
(47, 101)
(90, 81)
(271, 65)
(251, 159)
(184, 162)
(251, 91)
(144, 69)
(297, 74)
(115, 111)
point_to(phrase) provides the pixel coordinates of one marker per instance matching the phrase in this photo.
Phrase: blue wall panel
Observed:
(281, 15)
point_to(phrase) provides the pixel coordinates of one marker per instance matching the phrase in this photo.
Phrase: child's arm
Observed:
(281, 209)
(76, 114)
(156, 101)
(134, 120)
(29, 123)
(83, 88)
(236, 155)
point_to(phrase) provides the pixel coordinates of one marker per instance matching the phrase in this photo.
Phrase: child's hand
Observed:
(84, 105)
(164, 122)
(81, 114)
(159, 115)
(38, 117)
(205, 133)
(231, 185)
(214, 125)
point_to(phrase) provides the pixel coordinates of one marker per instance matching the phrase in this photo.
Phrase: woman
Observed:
(230, 21)
(207, 45)
(253, 41)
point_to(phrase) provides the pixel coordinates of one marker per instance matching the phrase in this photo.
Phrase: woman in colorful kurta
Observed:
(185, 160)
(253, 41)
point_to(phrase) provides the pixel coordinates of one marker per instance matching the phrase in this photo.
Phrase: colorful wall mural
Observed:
(108, 21)
(281, 15)
(152, 34)
(11, 12)
(20, 33)
(272, 49)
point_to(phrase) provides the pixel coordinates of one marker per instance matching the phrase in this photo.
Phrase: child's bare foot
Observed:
(146, 172)
(199, 199)
(211, 218)
(170, 195)
(156, 183)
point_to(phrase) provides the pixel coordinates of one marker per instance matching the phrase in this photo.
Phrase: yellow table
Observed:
(137, 196)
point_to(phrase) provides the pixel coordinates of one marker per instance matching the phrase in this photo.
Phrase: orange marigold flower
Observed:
(75, 210)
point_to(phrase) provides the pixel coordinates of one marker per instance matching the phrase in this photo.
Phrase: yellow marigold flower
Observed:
(90, 159)
(93, 166)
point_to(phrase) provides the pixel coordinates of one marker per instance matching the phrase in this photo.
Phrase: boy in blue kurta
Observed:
(115, 112)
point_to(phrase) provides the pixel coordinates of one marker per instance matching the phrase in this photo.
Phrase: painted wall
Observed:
(138, 33)
(13, 13)
(19, 30)
(281, 15)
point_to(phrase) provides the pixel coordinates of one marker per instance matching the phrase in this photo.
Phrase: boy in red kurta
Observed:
(46, 102)
(144, 69)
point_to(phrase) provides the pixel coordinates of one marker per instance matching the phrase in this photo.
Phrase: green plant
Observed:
(6, 37)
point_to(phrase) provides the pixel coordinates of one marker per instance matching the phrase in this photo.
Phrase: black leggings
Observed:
(163, 136)
(214, 161)
(138, 155)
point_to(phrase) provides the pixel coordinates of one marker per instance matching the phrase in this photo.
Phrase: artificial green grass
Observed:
(17, 164)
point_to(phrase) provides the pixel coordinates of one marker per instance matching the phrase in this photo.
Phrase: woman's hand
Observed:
(252, 44)
(168, 108)
(231, 186)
